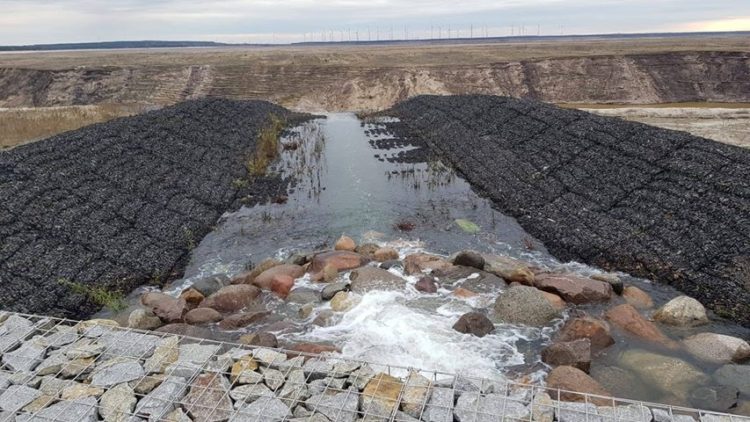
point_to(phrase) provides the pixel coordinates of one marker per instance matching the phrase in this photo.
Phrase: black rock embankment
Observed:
(620, 195)
(120, 204)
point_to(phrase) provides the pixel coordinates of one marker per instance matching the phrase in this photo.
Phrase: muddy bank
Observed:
(120, 204)
(659, 204)
(346, 81)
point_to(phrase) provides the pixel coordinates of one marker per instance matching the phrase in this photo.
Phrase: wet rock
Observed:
(572, 379)
(717, 348)
(556, 301)
(394, 263)
(211, 284)
(232, 298)
(627, 318)
(718, 398)
(385, 255)
(473, 407)
(303, 295)
(345, 243)
(577, 412)
(511, 270)
(368, 249)
(330, 290)
(306, 310)
(637, 297)
(464, 293)
(108, 375)
(164, 355)
(367, 279)
(141, 319)
(469, 278)
(737, 376)
(574, 289)
(419, 263)
(261, 338)
(82, 410)
(668, 374)
(337, 407)
(266, 279)
(16, 397)
(474, 323)
(682, 311)
(192, 297)
(440, 406)
(381, 394)
(340, 260)
(469, 259)
(426, 285)
(576, 353)
(343, 301)
(414, 397)
(208, 400)
(596, 330)
(243, 319)
(329, 274)
(324, 318)
(282, 285)
(169, 309)
(613, 280)
(524, 305)
(162, 399)
(313, 348)
(618, 381)
(199, 316)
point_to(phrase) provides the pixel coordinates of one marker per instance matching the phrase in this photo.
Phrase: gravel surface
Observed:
(120, 204)
(621, 195)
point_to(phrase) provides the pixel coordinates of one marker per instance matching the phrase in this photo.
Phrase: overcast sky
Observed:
(57, 21)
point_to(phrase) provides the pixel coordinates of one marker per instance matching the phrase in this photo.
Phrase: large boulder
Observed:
(266, 279)
(667, 374)
(381, 395)
(420, 263)
(385, 254)
(339, 260)
(248, 277)
(524, 305)
(627, 318)
(586, 327)
(717, 348)
(474, 323)
(199, 316)
(576, 353)
(569, 379)
(330, 290)
(366, 279)
(426, 284)
(573, 288)
(511, 270)
(233, 298)
(169, 309)
(243, 319)
(682, 311)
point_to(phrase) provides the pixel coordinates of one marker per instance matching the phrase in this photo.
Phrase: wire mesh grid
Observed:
(63, 370)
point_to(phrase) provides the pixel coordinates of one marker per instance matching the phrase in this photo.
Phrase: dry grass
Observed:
(267, 148)
(23, 125)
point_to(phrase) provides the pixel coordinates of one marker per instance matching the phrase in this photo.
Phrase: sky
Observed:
(279, 21)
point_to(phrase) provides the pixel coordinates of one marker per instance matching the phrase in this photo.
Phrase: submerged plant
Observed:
(266, 147)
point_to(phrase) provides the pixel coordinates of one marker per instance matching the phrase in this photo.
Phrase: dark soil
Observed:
(121, 204)
(659, 204)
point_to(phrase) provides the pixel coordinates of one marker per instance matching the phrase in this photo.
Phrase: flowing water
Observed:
(354, 179)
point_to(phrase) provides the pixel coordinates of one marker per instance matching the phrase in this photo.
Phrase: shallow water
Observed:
(347, 185)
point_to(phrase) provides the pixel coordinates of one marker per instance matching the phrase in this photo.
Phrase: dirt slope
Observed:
(347, 84)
